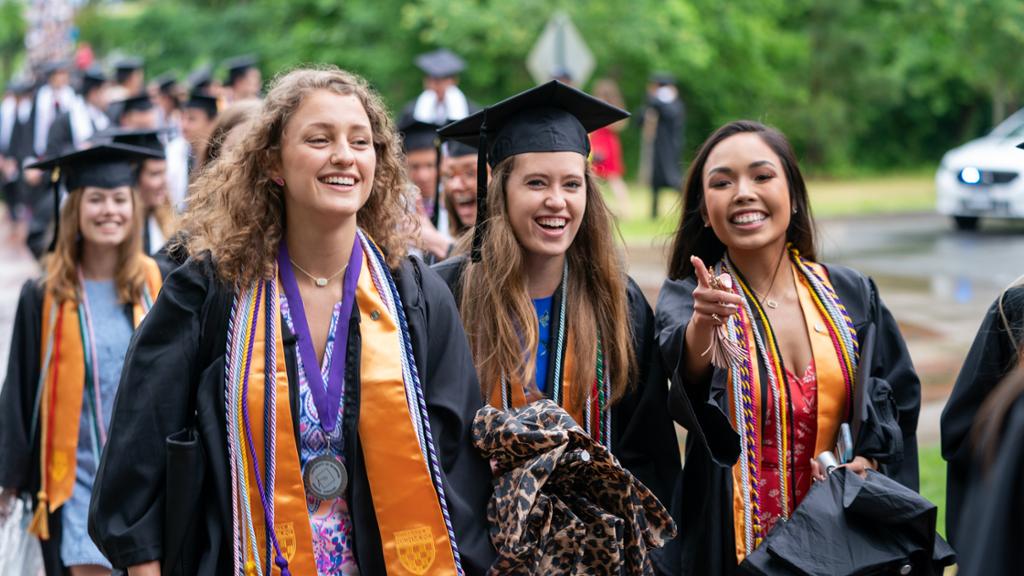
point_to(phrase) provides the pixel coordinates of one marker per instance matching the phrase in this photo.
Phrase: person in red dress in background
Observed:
(607, 150)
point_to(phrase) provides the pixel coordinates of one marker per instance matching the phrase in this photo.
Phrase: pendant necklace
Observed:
(768, 301)
(325, 476)
(318, 281)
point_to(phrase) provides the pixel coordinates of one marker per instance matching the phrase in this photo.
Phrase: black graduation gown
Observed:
(702, 505)
(990, 358)
(19, 445)
(180, 349)
(643, 438)
(666, 170)
(991, 534)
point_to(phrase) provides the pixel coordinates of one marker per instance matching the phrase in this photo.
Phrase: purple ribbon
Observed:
(326, 397)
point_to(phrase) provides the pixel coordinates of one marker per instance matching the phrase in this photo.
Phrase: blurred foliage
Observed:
(857, 85)
(12, 36)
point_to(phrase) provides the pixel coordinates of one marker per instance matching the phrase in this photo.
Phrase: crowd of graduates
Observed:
(293, 333)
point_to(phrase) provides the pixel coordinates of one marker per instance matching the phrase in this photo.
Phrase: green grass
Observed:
(830, 198)
(933, 481)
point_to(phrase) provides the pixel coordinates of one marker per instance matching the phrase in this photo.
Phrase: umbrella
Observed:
(562, 504)
(854, 525)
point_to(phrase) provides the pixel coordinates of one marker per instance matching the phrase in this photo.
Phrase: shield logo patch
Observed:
(59, 466)
(416, 549)
(286, 538)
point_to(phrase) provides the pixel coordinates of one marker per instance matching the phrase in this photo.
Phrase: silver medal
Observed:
(325, 477)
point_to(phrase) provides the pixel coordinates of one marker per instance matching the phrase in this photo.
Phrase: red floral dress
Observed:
(803, 400)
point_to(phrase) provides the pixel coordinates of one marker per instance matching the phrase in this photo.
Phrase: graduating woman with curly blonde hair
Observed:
(283, 410)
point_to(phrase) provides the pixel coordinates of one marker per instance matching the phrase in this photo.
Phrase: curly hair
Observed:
(236, 213)
(500, 319)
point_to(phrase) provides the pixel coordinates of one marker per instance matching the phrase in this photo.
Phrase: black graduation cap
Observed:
(166, 82)
(102, 166)
(238, 66)
(417, 135)
(50, 68)
(203, 102)
(441, 63)
(148, 139)
(1021, 145)
(128, 64)
(137, 103)
(662, 78)
(200, 79)
(552, 117)
(456, 149)
(92, 77)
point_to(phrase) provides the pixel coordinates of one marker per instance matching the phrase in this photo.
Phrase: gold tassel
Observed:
(40, 525)
(723, 349)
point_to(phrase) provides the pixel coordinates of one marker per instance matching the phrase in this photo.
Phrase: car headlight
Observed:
(970, 175)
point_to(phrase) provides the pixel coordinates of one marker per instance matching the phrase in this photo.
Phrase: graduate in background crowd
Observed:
(420, 143)
(244, 79)
(458, 179)
(129, 80)
(287, 347)
(663, 120)
(84, 117)
(54, 98)
(16, 150)
(229, 128)
(184, 152)
(542, 291)
(996, 351)
(165, 91)
(137, 113)
(441, 101)
(761, 405)
(71, 333)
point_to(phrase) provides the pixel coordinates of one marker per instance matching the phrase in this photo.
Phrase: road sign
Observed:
(560, 49)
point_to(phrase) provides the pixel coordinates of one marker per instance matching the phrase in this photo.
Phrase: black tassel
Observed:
(481, 195)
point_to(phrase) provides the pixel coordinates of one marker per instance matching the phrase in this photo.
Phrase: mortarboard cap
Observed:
(1021, 145)
(441, 63)
(203, 102)
(200, 79)
(20, 85)
(238, 66)
(662, 78)
(50, 68)
(166, 82)
(417, 135)
(137, 103)
(552, 117)
(102, 166)
(456, 149)
(128, 64)
(147, 139)
(92, 77)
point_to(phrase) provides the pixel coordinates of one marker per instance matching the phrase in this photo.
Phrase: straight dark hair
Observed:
(692, 238)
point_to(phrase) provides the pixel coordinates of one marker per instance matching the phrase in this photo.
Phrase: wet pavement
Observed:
(937, 283)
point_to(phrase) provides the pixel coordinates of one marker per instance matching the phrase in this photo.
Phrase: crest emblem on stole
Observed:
(286, 539)
(416, 549)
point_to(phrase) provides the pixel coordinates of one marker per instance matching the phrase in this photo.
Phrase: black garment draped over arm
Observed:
(174, 352)
(702, 504)
(990, 358)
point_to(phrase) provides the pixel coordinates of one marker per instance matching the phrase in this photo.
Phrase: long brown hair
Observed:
(692, 238)
(236, 213)
(499, 317)
(61, 266)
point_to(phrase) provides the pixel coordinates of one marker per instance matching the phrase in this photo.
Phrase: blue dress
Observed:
(113, 330)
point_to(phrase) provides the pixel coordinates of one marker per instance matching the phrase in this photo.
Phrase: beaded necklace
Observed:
(752, 330)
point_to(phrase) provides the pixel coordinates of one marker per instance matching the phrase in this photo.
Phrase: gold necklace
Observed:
(318, 281)
(768, 301)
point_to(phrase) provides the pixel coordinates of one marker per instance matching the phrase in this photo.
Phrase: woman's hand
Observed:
(859, 464)
(148, 569)
(712, 307)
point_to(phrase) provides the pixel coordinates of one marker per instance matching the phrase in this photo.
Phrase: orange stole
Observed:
(572, 405)
(739, 524)
(61, 399)
(412, 528)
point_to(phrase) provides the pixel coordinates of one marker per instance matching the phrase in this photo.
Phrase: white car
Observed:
(983, 178)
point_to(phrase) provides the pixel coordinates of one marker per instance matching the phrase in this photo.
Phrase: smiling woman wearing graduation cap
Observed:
(70, 336)
(544, 296)
(325, 375)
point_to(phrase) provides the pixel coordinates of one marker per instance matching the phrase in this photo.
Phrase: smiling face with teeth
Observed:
(746, 194)
(327, 158)
(546, 196)
(106, 215)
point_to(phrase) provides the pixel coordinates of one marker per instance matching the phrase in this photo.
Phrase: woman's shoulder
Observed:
(196, 280)
(450, 270)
